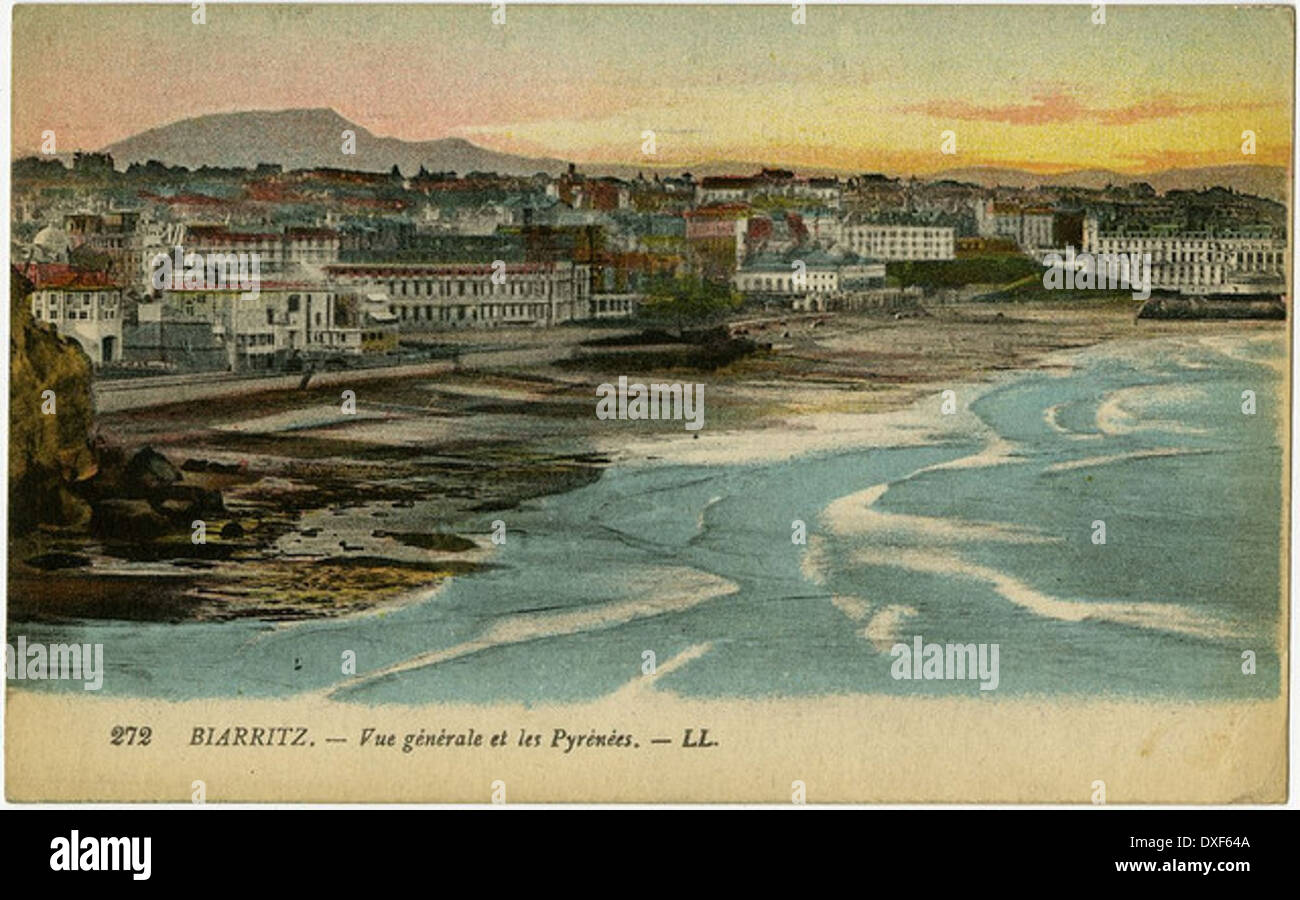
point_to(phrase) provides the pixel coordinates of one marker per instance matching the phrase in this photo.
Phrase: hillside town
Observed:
(346, 263)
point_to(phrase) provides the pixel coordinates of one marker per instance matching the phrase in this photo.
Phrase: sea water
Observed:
(982, 530)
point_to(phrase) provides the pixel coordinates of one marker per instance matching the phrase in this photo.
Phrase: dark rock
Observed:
(57, 560)
(127, 520)
(232, 531)
(179, 511)
(440, 541)
(199, 501)
(148, 473)
(209, 465)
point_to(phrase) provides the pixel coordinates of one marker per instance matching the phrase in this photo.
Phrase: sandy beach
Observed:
(305, 484)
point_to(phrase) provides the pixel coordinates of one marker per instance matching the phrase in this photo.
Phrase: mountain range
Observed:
(308, 139)
(312, 138)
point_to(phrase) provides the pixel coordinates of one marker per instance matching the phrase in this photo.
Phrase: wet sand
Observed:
(321, 496)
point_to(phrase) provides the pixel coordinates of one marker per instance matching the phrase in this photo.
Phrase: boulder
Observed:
(128, 520)
(198, 501)
(148, 473)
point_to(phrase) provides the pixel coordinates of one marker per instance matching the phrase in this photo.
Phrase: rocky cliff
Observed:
(50, 434)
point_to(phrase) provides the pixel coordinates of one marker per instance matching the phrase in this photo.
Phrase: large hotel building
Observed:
(454, 295)
(1199, 262)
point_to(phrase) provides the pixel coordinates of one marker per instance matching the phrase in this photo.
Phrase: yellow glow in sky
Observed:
(861, 88)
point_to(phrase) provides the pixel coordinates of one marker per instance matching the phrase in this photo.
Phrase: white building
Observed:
(80, 306)
(725, 189)
(282, 320)
(1029, 227)
(475, 295)
(1198, 262)
(276, 252)
(812, 276)
(768, 183)
(897, 242)
(1036, 228)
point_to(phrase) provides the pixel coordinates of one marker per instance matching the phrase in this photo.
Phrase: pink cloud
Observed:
(1061, 107)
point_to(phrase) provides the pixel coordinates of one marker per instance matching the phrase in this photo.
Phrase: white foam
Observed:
(813, 564)
(1120, 411)
(855, 608)
(1051, 416)
(918, 425)
(1094, 461)
(668, 589)
(1159, 616)
(856, 514)
(886, 627)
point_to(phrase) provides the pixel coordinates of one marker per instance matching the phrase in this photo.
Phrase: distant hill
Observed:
(306, 139)
(704, 169)
(311, 138)
(1262, 181)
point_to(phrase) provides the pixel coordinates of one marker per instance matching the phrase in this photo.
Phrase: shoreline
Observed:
(898, 420)
(313, 481)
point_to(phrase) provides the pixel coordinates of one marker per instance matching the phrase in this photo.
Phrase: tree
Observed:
(690, 299)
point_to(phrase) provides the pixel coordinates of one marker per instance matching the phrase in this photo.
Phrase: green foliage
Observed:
(958, 272)
(689, 300)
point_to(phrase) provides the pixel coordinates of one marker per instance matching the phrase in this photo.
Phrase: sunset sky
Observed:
(857, 88)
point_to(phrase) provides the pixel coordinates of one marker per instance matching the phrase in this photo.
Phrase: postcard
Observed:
(519, 403)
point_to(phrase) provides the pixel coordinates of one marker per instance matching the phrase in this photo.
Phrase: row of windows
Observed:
(898, 242)
(511, 288)
(78, 297)
(459, 313)
(906, 252)
(1240, 258)
(902, 231)
(78, 314)
(1159, 243)
(781, 283)
(320, 337)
